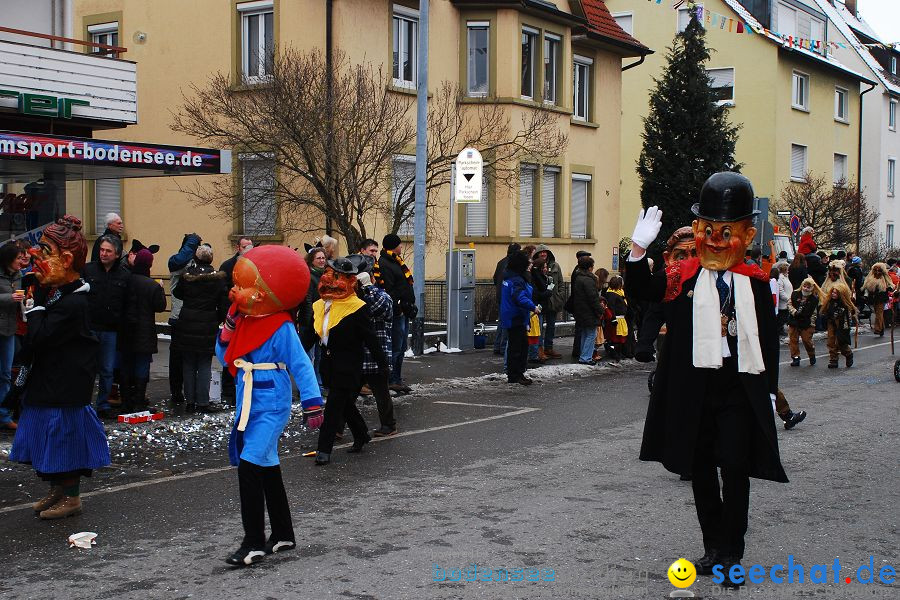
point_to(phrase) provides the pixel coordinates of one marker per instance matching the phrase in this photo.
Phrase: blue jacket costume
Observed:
(516, 304)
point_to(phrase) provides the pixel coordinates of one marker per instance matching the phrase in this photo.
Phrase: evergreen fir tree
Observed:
(687, 136)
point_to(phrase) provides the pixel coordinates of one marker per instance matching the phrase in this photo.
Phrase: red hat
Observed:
(283, 271)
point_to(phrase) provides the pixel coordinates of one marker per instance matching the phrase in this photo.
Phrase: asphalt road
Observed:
(544, 478)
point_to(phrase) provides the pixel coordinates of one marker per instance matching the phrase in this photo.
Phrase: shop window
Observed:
(259, 209)
(579, 210)
(405, 49)
(478, 58)
(403, 188)
(257, 40)
(104, 33)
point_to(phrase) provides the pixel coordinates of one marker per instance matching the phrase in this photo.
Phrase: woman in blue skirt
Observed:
(59, 433)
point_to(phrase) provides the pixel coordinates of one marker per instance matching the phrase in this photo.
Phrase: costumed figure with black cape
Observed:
(711, 406)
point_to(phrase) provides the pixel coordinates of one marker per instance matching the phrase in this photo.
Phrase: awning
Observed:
(26, 157)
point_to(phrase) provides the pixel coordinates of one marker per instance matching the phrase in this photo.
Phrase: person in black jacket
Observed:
(137, 342)
(178, 263)
(587, 309)
(204, 304)
(500, 338)
(106, 299)
(343, 335)
(539, 295)
(803, 306)
(114, 228)
(59, 433)
(393, 276)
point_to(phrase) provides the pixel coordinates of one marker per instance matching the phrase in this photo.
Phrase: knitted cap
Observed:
(390, 241)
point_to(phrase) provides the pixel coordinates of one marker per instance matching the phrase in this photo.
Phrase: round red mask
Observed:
(269, 279)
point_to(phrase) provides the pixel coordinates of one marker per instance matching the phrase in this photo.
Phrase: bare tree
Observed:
(838, 212)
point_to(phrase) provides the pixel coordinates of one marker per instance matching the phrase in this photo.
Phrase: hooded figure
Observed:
(878, 287)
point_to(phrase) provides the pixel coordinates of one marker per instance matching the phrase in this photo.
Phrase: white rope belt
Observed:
(248, 368)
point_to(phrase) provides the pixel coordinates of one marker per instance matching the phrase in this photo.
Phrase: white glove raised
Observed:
(364, 279)
(647, 227)
(537, 309)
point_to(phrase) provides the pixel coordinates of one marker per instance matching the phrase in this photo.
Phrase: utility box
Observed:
(461, 301)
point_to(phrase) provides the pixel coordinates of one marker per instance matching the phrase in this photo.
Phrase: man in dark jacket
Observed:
(394, 277)
(500, 337)
(114, 227)
(586, 307)
(516, 306)
(106, 302)
(244, 245)
(555, 303)
(178, 263)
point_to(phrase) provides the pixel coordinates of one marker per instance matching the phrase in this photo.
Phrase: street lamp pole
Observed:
(418, 326)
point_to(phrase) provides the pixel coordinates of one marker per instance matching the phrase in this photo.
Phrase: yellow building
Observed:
(573, 51)
(799, 108)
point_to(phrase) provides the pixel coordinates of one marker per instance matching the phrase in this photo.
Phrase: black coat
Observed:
(398, 287)
(673, 416)
(204, 305)
(539, 292)
(648, 332)
(106, 299)
(806, 309)
(586, 308)
(228, 268)
(62, 351)
(796, 275)
(855, 273)
(143, 300)
(498, 275)
(342, 359)
(816, 269)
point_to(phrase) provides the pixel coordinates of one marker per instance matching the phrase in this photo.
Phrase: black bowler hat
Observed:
(343, 265)
(725, 196)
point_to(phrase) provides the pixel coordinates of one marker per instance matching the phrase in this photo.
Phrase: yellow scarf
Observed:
(621, 324)
(339, 309)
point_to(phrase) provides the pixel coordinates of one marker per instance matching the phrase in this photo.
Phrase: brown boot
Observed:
(54, 496)
(67, 507)
(551, 353)
(114, 399)
(542, 356)
(365, 391)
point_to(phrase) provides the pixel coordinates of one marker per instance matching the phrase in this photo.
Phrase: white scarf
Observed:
(707, 350)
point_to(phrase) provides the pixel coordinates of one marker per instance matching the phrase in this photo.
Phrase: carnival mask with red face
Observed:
(336, 286)
(268, 279)
(721, 245)
(52, 267)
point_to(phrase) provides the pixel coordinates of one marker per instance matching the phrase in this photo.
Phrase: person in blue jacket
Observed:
(516, 307)
(260, 343)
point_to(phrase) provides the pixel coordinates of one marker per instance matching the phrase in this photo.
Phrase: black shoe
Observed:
(190, 408)
(795, 361)
(108, 413)
(521, 380)
(385, 431)
(245, 556)
(832, 365)
(705, 564)
(795, 419)
(357, 446)
(590, 363)
(209, 409)
(727, 564)
(322, 458)
(272, 546)
(177, 399)
(850, 360)
(812, 360)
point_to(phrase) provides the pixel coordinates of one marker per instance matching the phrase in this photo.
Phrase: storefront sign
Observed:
(63, 150)
(44, 106)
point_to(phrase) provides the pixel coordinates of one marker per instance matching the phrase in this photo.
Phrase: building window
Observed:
(551, 67)
(800, 96)
(722, 83)
(477, 213)
(529, 59)
(582, 88)
(840, 170)
(889, 235)
(549, 185)
(625, 21)
(800, 24)
(105, 33)
(893, 65)
(478, 38)
(403, 189)
(892, 115)
(891, 173)
(258, 186)
(107, 199)
(579, 213)
(684, 16)
(526, 200)
(257, 40)
(406, 30)
(798, 163)
(840, 104)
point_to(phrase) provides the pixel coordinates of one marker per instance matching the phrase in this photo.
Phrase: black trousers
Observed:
(176, 369)
(263, 488)
(724, 442)
(378, 382)
(516, 352)
(339, 409)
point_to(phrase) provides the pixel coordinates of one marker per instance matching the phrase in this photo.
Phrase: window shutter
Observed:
(798, 161)
(259, 200)
(403, 182)
(107, 199)
(840, 168)
(579, 209)
(721, 77)
(548, 203)
(526, 202)
(477, 214)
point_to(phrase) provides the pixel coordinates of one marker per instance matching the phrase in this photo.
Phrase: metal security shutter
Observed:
(259, 197)
(548, 202)
(477, 214)
(526, 201)
(722, 81)
(840, 168)
(579, 207)
(798, 161)
(403, 182)
(107, 199)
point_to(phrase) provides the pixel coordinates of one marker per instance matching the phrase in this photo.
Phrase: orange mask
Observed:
(268, 279)
(336, 286)
(722, 245)
(52, 267)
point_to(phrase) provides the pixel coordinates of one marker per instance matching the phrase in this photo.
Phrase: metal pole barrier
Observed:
(418, 330)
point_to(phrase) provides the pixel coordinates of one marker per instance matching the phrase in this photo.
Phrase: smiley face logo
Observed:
(682, 573)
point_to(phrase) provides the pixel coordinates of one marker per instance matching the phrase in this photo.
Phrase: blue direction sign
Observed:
(795, 224)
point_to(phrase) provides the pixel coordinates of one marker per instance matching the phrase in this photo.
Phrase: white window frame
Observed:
(404, 13)
(683, 13)
(535, 36)
(795, 77)
(249, 9)
(470, 25)
(586, 179)
(243, 159)
(844, 174)
(801, 178)
(893, 65)
(892, 176)
(733, 84)
(838, 105)
(551, 40)
(588, 64)
(100, 34)
(892, 115)
(625, 15)
(889, 234)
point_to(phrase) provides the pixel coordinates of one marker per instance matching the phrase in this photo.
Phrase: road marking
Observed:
(787, 362)
(474, 404)
(204, 472)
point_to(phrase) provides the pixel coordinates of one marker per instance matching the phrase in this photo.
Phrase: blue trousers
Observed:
(399, 329)
(107, 363)
(588, 337)
(7, 350)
